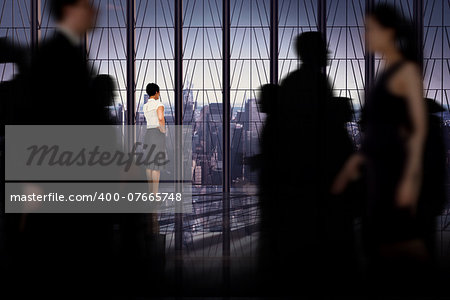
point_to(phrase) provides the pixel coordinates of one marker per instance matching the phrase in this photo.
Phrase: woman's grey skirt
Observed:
(154, 149)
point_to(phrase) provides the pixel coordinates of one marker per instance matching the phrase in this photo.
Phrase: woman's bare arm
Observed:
(162, 122)
(410, 86)
(348, 173)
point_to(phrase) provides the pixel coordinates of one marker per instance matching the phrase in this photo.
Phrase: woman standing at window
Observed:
(155, 142)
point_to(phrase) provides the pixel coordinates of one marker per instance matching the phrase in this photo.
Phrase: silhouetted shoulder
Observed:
(407, 76)
(408, 71)
(290, 77)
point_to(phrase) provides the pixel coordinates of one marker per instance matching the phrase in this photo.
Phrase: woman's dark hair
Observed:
(389, 17)
(152, 89)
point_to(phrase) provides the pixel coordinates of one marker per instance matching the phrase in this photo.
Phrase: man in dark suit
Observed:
(65, 247)
(61, 74)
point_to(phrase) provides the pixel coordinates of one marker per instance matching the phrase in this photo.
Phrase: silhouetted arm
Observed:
(410, 86)
(349, 172)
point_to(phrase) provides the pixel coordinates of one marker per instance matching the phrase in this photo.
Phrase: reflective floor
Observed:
(202, 269)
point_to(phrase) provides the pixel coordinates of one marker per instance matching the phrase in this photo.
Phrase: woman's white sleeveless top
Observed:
(150, 112)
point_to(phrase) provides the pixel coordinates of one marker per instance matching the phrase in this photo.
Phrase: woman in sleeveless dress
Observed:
(154, 143)
(394, 125)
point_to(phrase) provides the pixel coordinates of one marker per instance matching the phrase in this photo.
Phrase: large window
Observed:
(345, 34)
(154, 53)
(154, 60)
(294, 17)
(250, 56)
(202, 88)
(47, 24)
(202, 109)
(106, 46)
(436, 46)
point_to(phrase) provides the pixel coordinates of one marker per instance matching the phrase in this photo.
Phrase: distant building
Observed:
(253, 124)
(189, 106)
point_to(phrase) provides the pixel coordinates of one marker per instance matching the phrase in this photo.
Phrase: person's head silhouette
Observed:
(312, 48)
(77, 15)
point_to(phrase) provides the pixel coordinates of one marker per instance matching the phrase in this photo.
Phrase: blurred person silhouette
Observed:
(398, 222)
(12, 95)
(304, 144)
(64, 247)
(267, 180)
(63, 84)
